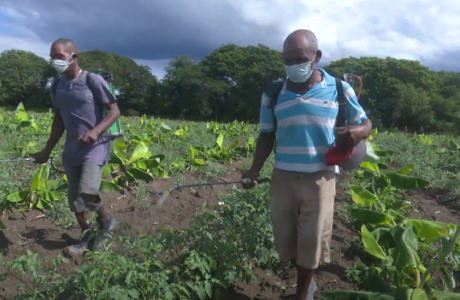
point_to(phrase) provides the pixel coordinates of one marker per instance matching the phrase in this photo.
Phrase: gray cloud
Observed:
(154, 32)
(144, 30)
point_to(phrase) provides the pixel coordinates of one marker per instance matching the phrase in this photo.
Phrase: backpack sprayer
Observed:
(350, 78)
(115, 130)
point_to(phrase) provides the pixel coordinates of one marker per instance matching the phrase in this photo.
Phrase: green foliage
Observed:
(227, 85)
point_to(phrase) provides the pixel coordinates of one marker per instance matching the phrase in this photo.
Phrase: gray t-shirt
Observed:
(82, 109)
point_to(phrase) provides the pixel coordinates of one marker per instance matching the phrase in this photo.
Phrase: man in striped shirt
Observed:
(303, 186)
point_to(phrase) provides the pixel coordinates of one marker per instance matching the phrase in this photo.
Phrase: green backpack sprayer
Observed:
(114, 131)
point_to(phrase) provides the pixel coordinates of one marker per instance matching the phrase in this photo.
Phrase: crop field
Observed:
(394, 223)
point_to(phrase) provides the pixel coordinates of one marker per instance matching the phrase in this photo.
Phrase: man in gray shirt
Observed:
(79, 99)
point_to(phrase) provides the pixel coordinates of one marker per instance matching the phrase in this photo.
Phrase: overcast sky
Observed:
(153, 32)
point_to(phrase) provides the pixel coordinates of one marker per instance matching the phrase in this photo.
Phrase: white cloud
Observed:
(422, 30)
(157, 66)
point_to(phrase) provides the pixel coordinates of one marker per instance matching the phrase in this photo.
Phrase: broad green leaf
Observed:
(368, 216)
(138, 174)
(405, 252)
(406, 170)
(373, 134)
(371, 245)
(361, 196)
(20, 113)
(56, 185)
(31, 145)
(220, 141)
(108, 186)
(198, 162)
(40, 181)
(109, 168)
(405, 182)
(383, 236)
(445, 295)
(431, 231)
(370, 154)
(49, 196)
(353, 295)
(18, 197)
(158, 157)
(192, 152)
(395, 215)
(2, 226)
(119, 150)
(41, 203)
(369, 166)
(179, 132)
(406, 293)
(454, 145)
(143, 119)
(146, 164)
(380, 183)
(234, 145)
(376, 283)
(141, 151)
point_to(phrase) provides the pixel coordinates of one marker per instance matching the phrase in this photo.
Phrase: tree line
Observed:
(227, 85)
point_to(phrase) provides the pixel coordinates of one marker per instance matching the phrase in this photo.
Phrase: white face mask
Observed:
(299, 73)
(61, 65)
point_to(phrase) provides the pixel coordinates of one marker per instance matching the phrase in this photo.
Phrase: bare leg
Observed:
(95, 201)
(82, 219)
(101, 217)
(304, 277)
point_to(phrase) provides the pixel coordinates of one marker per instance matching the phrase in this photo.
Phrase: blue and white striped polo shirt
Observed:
(306, 123)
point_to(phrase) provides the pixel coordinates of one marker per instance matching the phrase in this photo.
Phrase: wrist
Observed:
(254, 170)
(47, 150)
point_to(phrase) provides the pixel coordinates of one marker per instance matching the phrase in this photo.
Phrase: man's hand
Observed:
(253, 176)
(347, 137)
(90, 137)
(41, 157)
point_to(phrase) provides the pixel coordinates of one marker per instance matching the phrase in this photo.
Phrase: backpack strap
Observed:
(89, 82)
(272, 90)
(54, 86)
(342, 115)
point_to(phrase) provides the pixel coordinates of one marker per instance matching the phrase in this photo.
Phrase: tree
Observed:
(23, 78)
(227, 84)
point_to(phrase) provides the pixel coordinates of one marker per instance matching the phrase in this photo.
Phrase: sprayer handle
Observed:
(263, 180)
(259, 180)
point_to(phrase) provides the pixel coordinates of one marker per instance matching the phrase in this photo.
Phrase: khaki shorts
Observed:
(302, 208)
(84, 179)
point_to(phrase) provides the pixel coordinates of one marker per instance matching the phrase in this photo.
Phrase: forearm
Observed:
(57, 130)
(109, 120)
(363, 130)
(264, 148)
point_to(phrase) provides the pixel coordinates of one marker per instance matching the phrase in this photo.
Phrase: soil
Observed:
(26, 232)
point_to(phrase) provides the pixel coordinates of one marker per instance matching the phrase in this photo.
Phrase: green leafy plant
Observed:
(42, 191)
(127, 168)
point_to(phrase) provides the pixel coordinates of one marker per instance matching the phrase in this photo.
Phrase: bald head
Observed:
(302, 37)
(301, 46)
(66, 44)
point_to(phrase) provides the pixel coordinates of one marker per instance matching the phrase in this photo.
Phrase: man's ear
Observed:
(319, 54)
